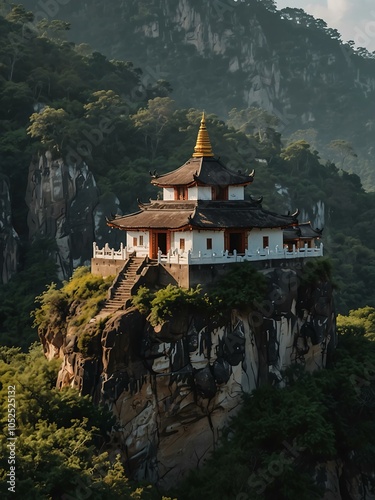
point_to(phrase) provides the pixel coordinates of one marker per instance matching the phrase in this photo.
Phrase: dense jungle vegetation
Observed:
(53, 94)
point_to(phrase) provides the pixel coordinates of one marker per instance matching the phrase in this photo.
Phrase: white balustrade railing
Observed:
(177, 257)
(110, 253)
(226, 258)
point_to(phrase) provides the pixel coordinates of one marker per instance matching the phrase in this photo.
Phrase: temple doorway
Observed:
(235, 240)
(160, 240)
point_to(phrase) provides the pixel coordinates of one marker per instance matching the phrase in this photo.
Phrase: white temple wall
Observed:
(256, 241)
(168, 194)
(200, 242)
(184, 246)
(200, 193)
(236, 193)
(138, 241)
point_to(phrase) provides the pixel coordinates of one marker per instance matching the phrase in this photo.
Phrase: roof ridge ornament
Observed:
(203, 146)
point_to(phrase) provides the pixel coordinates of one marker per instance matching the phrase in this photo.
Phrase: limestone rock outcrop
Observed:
(64, 205)
(175, 387)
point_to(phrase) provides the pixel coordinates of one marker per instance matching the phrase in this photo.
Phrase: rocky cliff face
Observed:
(223, 54)
(175, 387)
(64, 205)
(9, 241)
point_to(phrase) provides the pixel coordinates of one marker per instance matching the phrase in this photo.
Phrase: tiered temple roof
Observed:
(199, 214)
(203, 169)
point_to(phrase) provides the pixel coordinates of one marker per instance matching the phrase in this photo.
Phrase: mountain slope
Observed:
(223, 54)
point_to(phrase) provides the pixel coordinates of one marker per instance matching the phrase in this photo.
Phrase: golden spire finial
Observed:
(203, 146)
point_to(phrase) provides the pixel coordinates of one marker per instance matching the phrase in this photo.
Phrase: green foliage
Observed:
(170, 300)
(17, 298)
(252, 120)
(53, 303)
(343, 150)
(50, 127)
(316, 270)
(239, 288)
(359, 322)
(154, 122)
(61, 436)
(167, 302)
(73, 305)
(142, 299)
(89, 339)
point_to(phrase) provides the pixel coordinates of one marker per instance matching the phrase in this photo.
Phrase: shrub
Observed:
(239, 288)
(166, 302)
(74, 305)
(315, 270)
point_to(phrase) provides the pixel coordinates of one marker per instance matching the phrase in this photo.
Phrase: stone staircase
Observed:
(121, 291)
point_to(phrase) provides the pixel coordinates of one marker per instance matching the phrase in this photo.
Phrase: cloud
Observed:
(332, 11)
(354, 19)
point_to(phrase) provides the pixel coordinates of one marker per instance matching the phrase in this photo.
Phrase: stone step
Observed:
(122, 292)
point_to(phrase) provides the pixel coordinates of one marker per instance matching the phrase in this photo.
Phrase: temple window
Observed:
(182, 244)
(135, 242)
(141, 241)
(209, 243)
(266, 241)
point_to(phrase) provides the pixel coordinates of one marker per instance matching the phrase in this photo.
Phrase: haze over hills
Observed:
(219, 55)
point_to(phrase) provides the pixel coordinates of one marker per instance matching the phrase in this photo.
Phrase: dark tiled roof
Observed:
(209, 171)
(202, 214)
(302, 231)
(238, 214)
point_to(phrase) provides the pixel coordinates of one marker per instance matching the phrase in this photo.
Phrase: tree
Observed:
(308, 135)
(105, 103)
(298, 154)
(269, 5)
(17, 42)
(19, 15)
(50, 127)
(153, 122)
(298, 16)
(342, 150)
(60, 436)
(359, 322)
(252, 121)
(17, 297)
(54, 29)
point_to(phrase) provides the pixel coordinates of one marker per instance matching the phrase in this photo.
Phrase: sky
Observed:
(354, 19)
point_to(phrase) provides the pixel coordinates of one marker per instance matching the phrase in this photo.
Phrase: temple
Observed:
(205, 218)
(202, 223)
